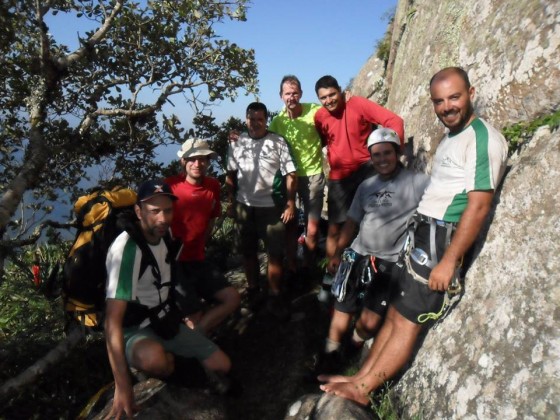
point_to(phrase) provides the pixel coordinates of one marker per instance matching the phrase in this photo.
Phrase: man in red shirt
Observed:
(195, 210)
(344, 126)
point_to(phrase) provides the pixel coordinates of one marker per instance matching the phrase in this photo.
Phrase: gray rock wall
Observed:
(497, 354)
(511, 50)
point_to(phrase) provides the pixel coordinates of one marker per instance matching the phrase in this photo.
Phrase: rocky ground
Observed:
(271, 359)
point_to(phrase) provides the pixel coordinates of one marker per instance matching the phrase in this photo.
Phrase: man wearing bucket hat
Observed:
(380, 209)
(468, 166)
(197, 207)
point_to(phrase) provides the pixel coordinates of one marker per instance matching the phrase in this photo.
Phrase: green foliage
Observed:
(383, 46)
(64, 111)
(383, 405)
(24, 309)
(519, 133)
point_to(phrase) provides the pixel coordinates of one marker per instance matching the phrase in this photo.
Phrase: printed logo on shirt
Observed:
(383, 198)
(448, 162)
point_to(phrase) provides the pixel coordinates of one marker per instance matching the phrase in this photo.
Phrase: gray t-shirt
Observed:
(382, 207)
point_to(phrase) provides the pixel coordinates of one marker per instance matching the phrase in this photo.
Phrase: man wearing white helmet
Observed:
(197, 207)
(380, 209)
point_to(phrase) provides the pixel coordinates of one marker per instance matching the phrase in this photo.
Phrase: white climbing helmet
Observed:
(383, 135)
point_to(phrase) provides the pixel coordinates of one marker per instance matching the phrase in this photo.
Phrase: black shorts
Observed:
(413, 298)
(375, 296)
(341, 192)
(198, 280)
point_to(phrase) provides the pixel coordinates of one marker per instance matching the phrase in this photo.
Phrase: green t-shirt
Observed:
(303, 139)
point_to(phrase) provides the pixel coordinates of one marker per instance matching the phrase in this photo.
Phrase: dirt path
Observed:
(270, 359)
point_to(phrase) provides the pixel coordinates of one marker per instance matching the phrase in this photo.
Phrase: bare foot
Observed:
(334, 378)
(349, 390)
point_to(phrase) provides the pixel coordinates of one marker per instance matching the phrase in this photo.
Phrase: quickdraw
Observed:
(338, 288)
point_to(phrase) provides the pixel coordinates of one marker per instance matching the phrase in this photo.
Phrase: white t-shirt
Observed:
(259, 162)
(471, 160)
(123, 267)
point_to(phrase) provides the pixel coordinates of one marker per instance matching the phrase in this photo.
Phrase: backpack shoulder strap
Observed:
(148, 258)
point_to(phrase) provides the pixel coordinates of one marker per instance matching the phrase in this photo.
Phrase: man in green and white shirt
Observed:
(140, 344)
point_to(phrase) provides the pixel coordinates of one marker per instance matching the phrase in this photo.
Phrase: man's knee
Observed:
(401, 323)
(229, 297)
(368, 323)
(149, 356)
(334, 229)
(312, 233)
(218, 361)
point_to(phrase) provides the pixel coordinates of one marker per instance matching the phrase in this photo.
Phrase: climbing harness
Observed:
(430, 260)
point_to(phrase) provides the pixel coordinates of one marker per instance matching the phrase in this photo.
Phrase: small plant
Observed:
(383, 404)
(322, 264)
(519, 133)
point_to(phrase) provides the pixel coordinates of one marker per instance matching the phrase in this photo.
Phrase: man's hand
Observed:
(333, 264)
(192, 320)
(289, 212)
(441, 275)
(472, 219)
(123, 404)
(234, 135)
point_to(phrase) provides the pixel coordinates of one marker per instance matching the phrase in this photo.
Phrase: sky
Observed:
(308, 38)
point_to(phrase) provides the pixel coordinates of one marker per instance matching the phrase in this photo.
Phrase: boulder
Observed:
(158, 400)
(325, 407)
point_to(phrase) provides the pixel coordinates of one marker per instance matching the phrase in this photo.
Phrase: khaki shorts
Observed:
(254, 223)
(311, 190)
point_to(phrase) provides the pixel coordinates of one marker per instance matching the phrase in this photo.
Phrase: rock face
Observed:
(497, 355)
(511, 51)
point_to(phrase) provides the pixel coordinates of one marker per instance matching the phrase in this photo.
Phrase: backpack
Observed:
(84, 272)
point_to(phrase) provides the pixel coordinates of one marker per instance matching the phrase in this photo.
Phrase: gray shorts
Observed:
(187, 342)
(254, 223)
(311, 190)
(342, 191)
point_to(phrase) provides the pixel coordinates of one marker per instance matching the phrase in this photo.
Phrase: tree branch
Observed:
(9, 244)
(98, 36)
(52, 358)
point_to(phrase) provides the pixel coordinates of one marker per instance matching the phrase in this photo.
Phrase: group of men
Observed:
(412, 230)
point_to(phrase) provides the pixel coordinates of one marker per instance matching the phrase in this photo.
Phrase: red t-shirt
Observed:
(345, 133)
(195, 207)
